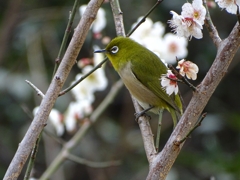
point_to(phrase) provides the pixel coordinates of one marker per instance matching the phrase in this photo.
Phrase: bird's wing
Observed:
(151, 78)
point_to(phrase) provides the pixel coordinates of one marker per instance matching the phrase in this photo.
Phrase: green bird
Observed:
(141, 71)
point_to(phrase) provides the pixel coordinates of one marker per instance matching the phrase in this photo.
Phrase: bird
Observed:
(141, 70)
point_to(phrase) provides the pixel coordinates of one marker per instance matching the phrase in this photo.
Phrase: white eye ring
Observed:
(114, 49)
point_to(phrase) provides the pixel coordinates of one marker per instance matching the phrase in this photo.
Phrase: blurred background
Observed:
(31, 33)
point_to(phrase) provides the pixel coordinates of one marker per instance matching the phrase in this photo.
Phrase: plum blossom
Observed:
(169, 83)
(99, 23)
(167, 47)
(84, 91)
(56, 118)
(189, 23)
(188, 68)
(75, 112)
(148, 34)
(173, 47)
(196, 10)
(211, 4)
(97, 81)
(229, 5)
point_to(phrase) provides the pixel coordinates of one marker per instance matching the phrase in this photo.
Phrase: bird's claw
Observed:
(139, 114)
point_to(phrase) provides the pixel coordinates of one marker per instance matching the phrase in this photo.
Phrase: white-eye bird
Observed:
(141, 70)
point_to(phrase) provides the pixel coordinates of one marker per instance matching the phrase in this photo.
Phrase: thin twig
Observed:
(66, 35)
(118, 17)
(210, 26)
(178, 142)
(180, 78)
(82, 78)
(32, 158)
(164, 160)
(92, 163)
(144, 18)
(159, 129)
(40, 120)
(36, 145)
(54, 137)
(237, 13)
(146, 132)
(27, 111)
(143, 122)
(68, 146)
(39, 93)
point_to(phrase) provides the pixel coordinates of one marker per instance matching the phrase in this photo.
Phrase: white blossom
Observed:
(169, 83)
(75, 112)
(84, 91)
(196, 10)
(229, 5)
(188, 68)
(167, 47)
(173, 47)
(191, 20)
(97, 81)
(148, 32)
(99, 23)
(55, 117)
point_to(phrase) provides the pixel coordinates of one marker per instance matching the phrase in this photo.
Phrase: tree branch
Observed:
(146, 132)
(164, 160)
(82, 78)
(39, 93)
(118, 17)
(40, 120)
(210, 26)
(82, 131)
(66, 35)
(91, 163)
(143, 121)
(144, 17)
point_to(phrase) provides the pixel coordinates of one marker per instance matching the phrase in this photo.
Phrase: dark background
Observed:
(30, 37)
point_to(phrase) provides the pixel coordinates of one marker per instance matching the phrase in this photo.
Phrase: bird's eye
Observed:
(114, 49)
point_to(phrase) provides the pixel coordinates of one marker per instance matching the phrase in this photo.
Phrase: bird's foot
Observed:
(142, 113)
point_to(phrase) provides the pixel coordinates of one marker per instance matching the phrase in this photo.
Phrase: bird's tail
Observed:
(175, 116)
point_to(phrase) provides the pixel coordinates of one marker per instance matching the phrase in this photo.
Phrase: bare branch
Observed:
(146, 132)
(188, 134)
(39, 93)
(66, 35)
(143, 122)
(144, 17)
(118, 17)
(91, 163)
(165, 159)
(32, 158)
(211, 28)
(82, 131)
(51, 95)
(82, 78)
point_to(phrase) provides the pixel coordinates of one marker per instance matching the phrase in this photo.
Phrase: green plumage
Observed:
(141, 70)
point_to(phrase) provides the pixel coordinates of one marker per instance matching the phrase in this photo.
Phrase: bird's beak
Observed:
(100, 51)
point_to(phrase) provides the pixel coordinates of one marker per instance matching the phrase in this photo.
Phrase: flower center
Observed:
(173, 47)
(196, 14)
(173, 79)
(188, 21)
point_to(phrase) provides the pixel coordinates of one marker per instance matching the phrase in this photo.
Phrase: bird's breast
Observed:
(143, 95)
